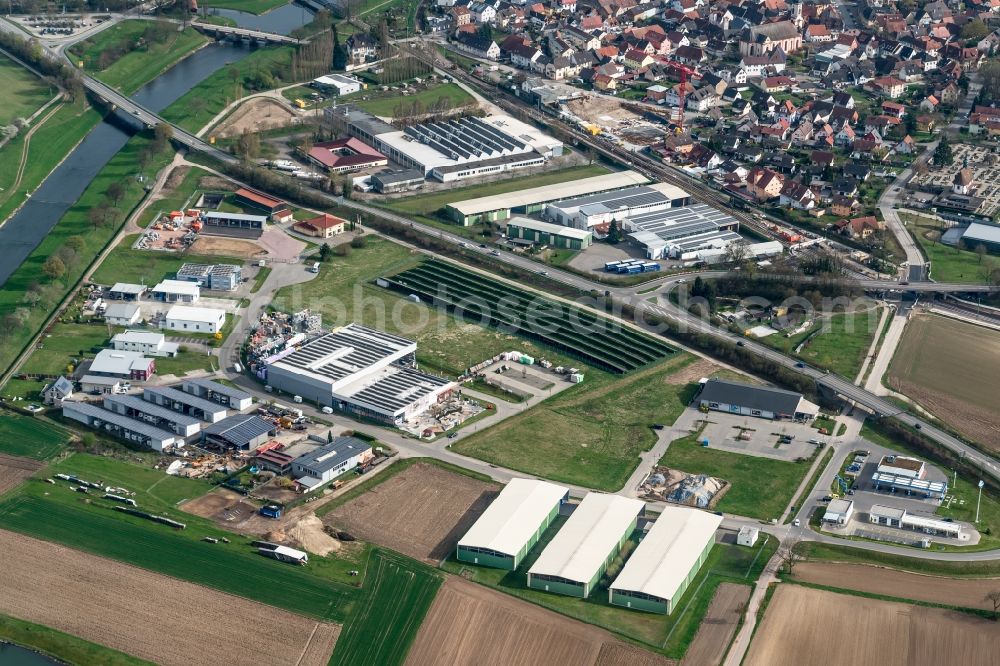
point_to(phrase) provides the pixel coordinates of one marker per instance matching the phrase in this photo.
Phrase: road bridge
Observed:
(244, 33)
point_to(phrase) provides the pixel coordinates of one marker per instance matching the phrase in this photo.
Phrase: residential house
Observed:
(478, 46)
(764, 184)
(858, 228)
(798, 196)
(361, 47)
(59, 390)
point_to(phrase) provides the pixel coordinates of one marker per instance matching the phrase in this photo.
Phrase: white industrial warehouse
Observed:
(360, 371)
(592, 209)
(666, 561)
(576, 558)
(512, 524)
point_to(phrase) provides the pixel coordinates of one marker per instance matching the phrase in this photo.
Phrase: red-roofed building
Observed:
(345, 155)
(251, 198)
(323, 226)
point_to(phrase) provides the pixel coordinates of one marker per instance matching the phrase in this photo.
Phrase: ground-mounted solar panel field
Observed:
(597, 340)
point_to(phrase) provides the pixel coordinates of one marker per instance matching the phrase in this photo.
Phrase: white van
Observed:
(327, 410)
(314, 268)
(297, 398)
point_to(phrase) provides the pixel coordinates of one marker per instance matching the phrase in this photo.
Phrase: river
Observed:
(15, 655)
(280, 20)
(22, 233)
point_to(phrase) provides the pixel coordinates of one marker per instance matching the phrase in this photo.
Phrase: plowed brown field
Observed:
(154, 617)
(808, 627)
(420, 512)
(14, 470)
(716, 631)
(967, 592)
(471, 625)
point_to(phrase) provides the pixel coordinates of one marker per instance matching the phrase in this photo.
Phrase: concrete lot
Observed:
(526, 380)
(762, 435)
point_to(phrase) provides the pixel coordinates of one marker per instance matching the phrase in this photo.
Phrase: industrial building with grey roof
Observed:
(361, 371)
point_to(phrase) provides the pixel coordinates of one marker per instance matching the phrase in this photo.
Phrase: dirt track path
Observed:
(148, 615)
(968, 593)
(712, 640)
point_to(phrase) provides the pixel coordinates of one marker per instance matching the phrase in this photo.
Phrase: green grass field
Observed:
(252, 6)
(444, 96)
(67, 649)
(398, 594)
(948, 264)
(185, 362)
(122, 168)
(50, 143)
(201, 104)
(345, 292)
(144, 60)
(667, 634)
(30, 437)
(64, 345)
(813, 550)
(25, 92)
(838, 343)
(56, 513)
(761, 487)
(125, 264)
(589, 435)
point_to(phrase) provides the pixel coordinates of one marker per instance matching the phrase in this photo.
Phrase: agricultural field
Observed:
(470, 624)
(759, 487)
(838, 343)
(25, 93)
(813, 551)
(950, 368)
(592, 338)
(114, 604)
(879, 633)
(667, 635)
(963, 592)
(322, 590)
(30, 437)
(125, 264)
(420, 512)
(345, 291)
(14, 470)
(146, 48)
(712, 641)
(590, 435)
(398, 593)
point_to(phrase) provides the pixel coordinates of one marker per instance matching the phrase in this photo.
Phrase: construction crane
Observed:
(684, 72)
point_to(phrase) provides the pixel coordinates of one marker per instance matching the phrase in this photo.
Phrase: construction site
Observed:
(677, 487)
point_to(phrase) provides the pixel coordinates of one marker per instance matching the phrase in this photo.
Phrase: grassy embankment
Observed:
(948, 263)
(838, 343)
(24, 92)
(148, 49)
(251, 6)
(64, 647)
(75, 223)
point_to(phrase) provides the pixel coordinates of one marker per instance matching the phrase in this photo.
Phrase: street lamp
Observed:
(980, 499)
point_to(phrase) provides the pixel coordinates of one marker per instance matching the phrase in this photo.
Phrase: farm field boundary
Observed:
(399, 593)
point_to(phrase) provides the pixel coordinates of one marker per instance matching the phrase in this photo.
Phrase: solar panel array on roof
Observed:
(634, 196)
(668, 219)
(240, 429)
(397, 390)
(345, 351)
(705, 241)
(464, 138)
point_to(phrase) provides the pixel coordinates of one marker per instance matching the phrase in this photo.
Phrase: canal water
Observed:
(15, 655)
(280, 20)
(22, 233)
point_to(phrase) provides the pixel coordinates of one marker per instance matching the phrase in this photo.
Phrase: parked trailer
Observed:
(270, 511)
(610, 266)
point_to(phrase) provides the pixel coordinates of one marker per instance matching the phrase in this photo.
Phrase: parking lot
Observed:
(752, 436)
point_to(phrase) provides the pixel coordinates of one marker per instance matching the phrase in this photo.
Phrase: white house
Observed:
(145, 342)
(57, 391)
(326, 462)
(186, 319)
(176, 291)
(122, 314)
(337, 83)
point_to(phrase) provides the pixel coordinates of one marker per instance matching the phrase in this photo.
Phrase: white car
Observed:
(796, 522)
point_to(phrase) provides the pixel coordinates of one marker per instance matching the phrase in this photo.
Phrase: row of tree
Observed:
(57, 72)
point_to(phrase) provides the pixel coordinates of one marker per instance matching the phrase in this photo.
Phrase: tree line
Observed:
(55, 71)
